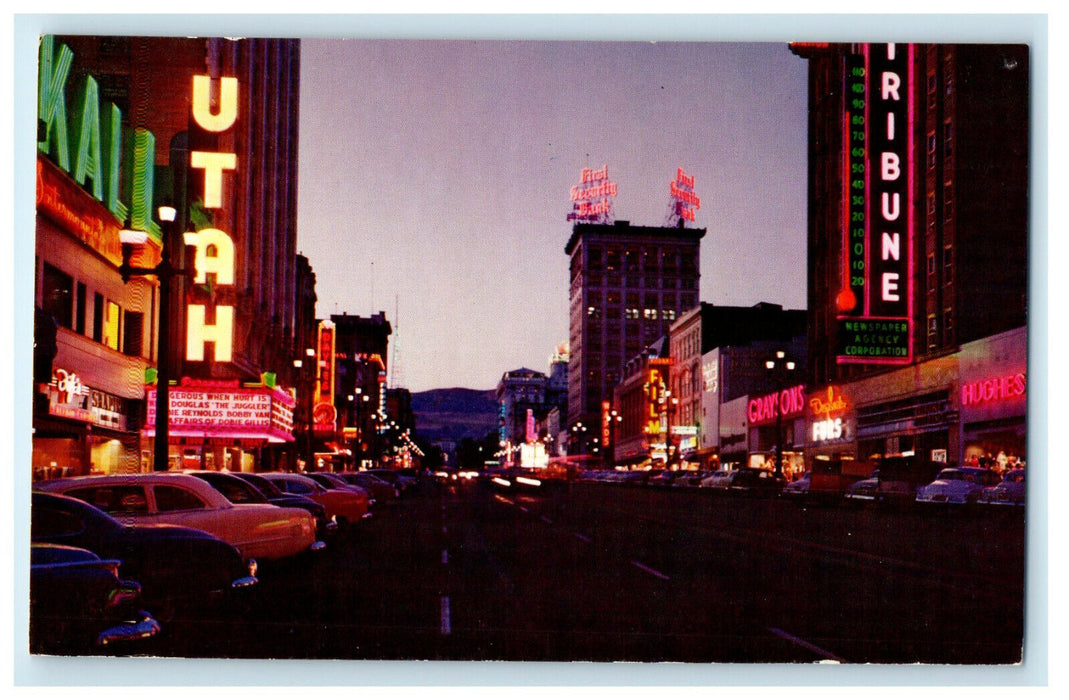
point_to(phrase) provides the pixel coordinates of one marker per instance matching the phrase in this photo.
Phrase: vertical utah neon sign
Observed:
(877, 328)
(215, 248)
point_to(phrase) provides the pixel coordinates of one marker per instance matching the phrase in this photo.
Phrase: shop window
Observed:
(58, 295)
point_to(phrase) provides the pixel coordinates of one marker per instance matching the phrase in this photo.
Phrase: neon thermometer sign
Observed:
(592, 197)
(874, 306)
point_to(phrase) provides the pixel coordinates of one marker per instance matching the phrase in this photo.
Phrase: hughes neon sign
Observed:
(994, 389)
(215, 248)
(874, 305)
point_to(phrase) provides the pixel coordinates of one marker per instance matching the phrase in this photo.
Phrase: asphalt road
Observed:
(604, 572)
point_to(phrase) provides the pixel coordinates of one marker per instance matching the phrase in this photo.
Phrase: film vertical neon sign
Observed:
(215, 248)
(875, 303)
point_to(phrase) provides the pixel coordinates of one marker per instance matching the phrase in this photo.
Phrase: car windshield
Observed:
(952, 475)
(233, 489)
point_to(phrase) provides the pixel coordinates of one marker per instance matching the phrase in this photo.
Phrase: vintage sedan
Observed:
(331, 481)
(344, 506)
(178, 567)
(80, 605)
(798, 489)
(1008, 492)
(957, 486)
(258, 530)
(380, 490)
(325, 525)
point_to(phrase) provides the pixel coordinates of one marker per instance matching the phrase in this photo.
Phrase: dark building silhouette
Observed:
(628, 284)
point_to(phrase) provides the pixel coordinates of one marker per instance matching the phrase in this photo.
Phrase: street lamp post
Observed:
(610, 449)
(165, 272)
(778, 367)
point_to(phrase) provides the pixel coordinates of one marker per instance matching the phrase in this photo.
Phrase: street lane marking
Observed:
(581, 537)
(806, 645)
(524, 509)
(545, 519)
(446, 628)
(648, 570)
(445, 556)
(445, 530)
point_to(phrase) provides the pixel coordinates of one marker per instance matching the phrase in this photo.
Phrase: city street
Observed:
(602, 572)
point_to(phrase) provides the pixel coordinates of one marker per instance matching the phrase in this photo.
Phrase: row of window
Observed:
(101, 319)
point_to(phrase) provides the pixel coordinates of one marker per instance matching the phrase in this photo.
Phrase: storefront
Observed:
(830, 425)
(776, 422)
(993, 398)
(909, 411)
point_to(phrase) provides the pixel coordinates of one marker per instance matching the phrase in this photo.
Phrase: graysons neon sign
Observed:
(994, 389)
(787, 403)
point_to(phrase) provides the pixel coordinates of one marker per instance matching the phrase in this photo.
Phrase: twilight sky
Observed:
(435, 177)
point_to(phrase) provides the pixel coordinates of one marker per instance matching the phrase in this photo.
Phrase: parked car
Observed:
(325, 525)
(176, 566)
(720, 480)
(893, 481)
(380, 490)
(331, 481)
(344, 507)
(258, 530)
(79, 605)
(799, 488)
(1008, 492)
(403, 483)
(957, 486)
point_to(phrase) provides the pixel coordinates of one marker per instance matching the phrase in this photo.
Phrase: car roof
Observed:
(189, 481)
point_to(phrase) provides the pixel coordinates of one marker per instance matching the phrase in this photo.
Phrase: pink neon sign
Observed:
(765, 409)
(994, 389)
(682, 191)
(258, 413)
(592, 196)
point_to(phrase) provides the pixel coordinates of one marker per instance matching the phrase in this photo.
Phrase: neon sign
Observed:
(832, 407)
(215, 248)
(656, 396)
(685, 202)
(592, 197)
(874, 306)
(97, 146)
(199, 409)
(786, 404)
(994, 389)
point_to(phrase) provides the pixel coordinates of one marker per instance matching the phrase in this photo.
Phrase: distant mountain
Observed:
(454, 414)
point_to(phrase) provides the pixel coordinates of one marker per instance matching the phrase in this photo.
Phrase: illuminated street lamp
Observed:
(165, 272)
(610, 449)
(778, 367)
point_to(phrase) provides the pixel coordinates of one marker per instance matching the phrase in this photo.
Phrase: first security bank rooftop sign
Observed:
(87, 143)
(874, 307)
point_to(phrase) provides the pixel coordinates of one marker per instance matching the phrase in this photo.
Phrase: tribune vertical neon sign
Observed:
(215, 248)
(875, 304)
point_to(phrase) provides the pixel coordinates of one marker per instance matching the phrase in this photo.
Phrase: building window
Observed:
(948, 264)
(79, 309)
(948, 140)
(948, 322)
(133, 337)
(58, 295)
(98, 318)
(933, 329)
(112, 325)
(931, 150)
(931, 272)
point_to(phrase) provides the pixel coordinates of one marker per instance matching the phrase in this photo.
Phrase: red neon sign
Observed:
(682, 191)
(994, 389)
(592, 197)
(766, 409)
